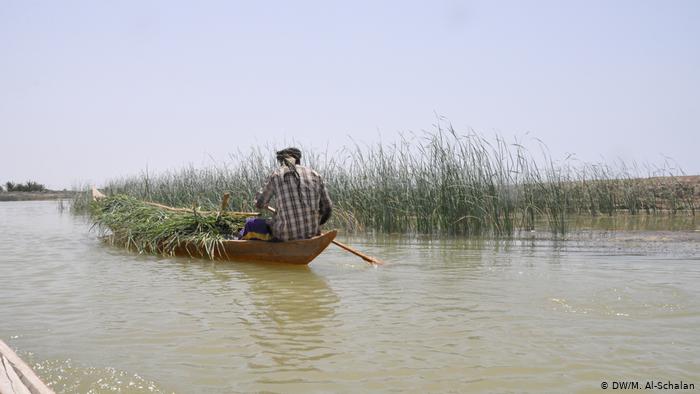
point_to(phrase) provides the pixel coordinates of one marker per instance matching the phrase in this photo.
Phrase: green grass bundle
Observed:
(149, 229)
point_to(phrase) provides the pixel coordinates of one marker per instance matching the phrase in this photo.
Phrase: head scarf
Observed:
(291, 157)
(289, 152)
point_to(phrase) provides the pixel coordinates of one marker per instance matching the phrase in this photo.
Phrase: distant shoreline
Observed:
(36, 196)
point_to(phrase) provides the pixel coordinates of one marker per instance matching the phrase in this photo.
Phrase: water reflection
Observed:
(292, 313)
(642, 222)
(445, 314)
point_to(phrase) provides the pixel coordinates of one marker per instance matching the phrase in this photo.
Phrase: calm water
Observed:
(532, 315)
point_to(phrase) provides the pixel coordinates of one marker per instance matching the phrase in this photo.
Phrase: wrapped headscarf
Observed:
(289, 152)
(291, 157)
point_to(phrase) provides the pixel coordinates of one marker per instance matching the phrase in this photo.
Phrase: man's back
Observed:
(301, 202)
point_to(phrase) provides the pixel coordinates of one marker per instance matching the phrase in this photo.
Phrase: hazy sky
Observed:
(91, 90)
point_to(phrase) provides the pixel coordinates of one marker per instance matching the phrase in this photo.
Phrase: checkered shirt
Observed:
(300, 203)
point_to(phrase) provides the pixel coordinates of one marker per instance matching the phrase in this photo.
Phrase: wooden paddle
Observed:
(369, 259)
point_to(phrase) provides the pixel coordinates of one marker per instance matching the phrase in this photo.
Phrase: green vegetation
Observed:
(440, 183)
(31, 191)
(30, 186)
(146, 228)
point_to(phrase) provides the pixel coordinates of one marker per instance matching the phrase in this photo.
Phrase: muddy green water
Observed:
(447, 315)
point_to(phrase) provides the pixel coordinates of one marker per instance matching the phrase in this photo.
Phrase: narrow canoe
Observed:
(290, 252)
(16, 376)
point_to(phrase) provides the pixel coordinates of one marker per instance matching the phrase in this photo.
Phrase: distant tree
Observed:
(30, 186)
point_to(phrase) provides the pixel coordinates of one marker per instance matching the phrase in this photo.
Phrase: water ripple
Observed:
(441, 316)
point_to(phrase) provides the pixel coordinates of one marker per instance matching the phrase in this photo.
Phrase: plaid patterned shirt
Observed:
(300, 203)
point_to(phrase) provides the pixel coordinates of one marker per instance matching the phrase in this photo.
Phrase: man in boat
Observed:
(301, 198)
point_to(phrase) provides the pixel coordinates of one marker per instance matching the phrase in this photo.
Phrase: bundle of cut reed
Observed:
(150, 228)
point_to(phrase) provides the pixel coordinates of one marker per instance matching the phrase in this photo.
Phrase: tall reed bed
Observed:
(441, 182)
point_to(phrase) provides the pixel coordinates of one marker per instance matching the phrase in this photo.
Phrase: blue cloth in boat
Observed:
(256, 228)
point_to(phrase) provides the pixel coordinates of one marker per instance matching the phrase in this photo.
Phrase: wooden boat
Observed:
(16, 376)
(290, 252)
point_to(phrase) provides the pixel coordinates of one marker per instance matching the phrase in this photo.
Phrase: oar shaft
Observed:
(363, 256)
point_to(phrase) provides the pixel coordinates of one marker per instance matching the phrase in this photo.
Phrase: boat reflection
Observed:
(290, 315)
